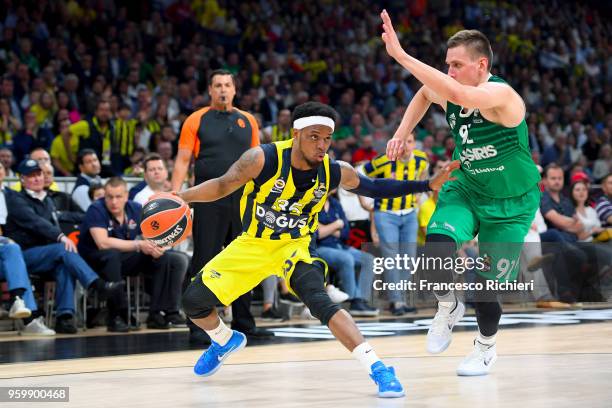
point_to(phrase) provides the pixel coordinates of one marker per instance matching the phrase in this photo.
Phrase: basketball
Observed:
(166, 220)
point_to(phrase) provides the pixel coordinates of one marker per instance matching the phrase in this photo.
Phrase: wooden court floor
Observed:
(549, 366)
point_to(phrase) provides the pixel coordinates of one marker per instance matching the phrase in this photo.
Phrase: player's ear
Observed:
(294, 133)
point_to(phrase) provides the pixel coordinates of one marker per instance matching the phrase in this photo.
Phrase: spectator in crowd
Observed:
(279, 131)
(396, 218)
(109, 243)
(557, 209)
(13, 270)
(156, 177)
(89, 167)
(98, 134)
(32, 224)
(603, 165)
(331, 246)
(63, 150)
(6, 158)
(585, 214)
(69, 214)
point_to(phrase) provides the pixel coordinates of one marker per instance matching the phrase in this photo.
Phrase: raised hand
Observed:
(389, 37)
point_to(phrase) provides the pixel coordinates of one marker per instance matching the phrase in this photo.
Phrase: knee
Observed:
(12, 249)
(196, 304)
(319, 303)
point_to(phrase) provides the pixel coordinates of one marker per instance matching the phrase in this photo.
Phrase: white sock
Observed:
(366, 355)
(487, 341)
(221, 334)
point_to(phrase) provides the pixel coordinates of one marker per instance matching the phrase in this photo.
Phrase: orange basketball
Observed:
(165, 220)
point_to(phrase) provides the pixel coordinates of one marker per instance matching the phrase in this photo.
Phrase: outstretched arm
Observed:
(414, 113)
(484, 96)
(246, 168)
(357, 183)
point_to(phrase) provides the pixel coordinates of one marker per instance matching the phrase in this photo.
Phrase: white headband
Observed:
(301, 123)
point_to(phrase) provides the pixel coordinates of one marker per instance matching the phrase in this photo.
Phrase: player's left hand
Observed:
(394, 49)
(444, 175)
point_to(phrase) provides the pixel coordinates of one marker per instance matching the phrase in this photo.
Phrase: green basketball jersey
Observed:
(495, 160)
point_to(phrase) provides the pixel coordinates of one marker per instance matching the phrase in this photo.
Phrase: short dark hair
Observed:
(83, 153)
(220, 72)
(603, 180)
(115, 181)
(152, 157)
(551, 166)
(475, 41)
(314, 109)
(93, 188)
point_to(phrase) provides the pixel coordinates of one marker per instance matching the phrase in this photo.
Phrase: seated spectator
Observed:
(63, 149)
(89, 166)
(604, 204)
(13, 270)
(33, 224)
(558, 152)
(331, 236)
(69, 214)
(279, 131)
(96, 134)
(109, 243)
(96, 192)
(42, 158)
(156, 177)
(603, 165)
(585, 214)
(557, 209)
(7, 160)
(136, 160)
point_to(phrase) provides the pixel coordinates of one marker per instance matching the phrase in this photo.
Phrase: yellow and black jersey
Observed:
(413, 169)
(277, 135)
(125, 131)
(283, 202)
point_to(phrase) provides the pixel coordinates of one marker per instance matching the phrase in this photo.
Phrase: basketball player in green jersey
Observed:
(495, 194)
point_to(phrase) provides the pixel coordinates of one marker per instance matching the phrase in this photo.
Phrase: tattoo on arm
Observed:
(247, 167)
(349, 178)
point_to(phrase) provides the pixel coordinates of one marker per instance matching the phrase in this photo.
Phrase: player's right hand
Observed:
(444, 175)
(395, 148)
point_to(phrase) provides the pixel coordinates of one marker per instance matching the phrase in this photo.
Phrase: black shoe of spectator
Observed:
(157, 320)
(110, 290)
(258, 333)
(289, 298)
(360, 308)
(117, 325)
(65, 324)
(271, 315)
(198, 336)
(402, 310)
(176, 320)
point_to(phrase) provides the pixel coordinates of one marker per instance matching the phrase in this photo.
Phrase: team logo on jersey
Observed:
(132, 225)
(279, 185)
(476, 118)
(452, 120)
(241, 123)
(276, 221)
(214, 274)
(319, 192)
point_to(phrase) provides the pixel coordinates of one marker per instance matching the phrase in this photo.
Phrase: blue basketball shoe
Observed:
(388, 385)
(212, 359)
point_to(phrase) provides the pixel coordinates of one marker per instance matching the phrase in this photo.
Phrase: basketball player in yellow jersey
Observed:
(286, 186)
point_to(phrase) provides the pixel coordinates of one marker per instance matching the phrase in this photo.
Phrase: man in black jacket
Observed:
(32, 223)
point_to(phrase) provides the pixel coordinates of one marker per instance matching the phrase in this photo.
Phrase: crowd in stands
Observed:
(100, 90)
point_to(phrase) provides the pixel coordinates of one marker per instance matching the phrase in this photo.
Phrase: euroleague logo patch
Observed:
(241, 123)
(155, 225)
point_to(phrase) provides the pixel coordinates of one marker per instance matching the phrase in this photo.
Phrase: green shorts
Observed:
(500, 223)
